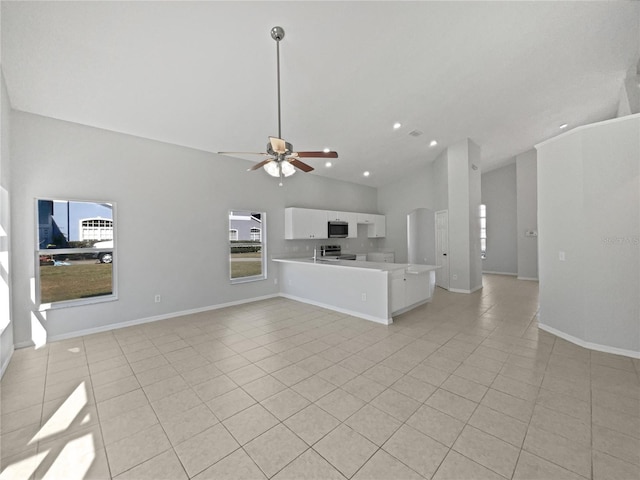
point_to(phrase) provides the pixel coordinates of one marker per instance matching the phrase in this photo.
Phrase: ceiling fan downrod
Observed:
(277, 33)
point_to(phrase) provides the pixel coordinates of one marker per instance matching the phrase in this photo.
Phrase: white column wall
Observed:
(589, 208)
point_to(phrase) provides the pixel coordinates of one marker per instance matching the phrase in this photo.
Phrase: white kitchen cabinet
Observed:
(309, 223)
(350, 217)
(409, 288)
(376, 224)
(378, 228)
(305, 223)
(365, 218)
(397, 290)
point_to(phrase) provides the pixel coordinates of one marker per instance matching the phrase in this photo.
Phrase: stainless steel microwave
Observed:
(338, 229)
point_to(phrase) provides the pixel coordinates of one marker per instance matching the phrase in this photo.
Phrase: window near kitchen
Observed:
(247, 248)
(483, 231)
(75, 252)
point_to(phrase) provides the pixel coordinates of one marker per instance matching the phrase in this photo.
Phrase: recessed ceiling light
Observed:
(328, 164)
(563, 126)
(326, 150)
(433, 143)
(366, 174)
(397, 125)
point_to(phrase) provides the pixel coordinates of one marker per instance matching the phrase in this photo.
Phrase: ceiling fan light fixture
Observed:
(366, 174)
(326, 150)
(272, 169)
(433, 143)
(397, 125)
(328, 164)
(287, 169)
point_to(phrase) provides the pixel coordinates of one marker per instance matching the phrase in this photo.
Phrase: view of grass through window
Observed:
(75, 250)
(246, 245)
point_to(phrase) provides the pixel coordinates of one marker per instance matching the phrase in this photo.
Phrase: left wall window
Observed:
(76, 252)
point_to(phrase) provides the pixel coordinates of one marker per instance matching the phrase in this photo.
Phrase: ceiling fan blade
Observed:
(242, 153)
(260, 164)
(318, 154)
(301, 165)
(278, 145)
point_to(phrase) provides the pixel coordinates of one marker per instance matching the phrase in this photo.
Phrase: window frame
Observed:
(36, 294)
(263, 249)
(482, 215)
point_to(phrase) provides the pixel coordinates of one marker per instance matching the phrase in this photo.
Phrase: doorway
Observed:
(442, 249)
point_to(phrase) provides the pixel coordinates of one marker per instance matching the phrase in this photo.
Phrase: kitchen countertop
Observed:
(383, 267)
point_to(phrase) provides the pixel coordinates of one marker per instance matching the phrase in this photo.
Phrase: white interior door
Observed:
(442, 248)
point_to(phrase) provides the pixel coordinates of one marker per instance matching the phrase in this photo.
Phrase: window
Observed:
(483, 231)
(75, 252)
(247, 249)
(256, 234)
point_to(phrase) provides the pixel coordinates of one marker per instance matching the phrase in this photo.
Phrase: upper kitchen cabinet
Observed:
(378, 228)
(305, 223)
(350, 217)
(376, 224)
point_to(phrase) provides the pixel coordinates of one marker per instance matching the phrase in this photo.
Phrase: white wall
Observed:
(475, 198)
(172, 224)
(589, 208)
(421, 236)
(464, 209)
(499, 195)
(6, 324)
(527, 201)
(397, 200)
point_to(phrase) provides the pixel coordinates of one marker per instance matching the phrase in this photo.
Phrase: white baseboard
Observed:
(384, 321)
(140, 321)
(5, 364)
(462, 290)
(500, 273)
(589, 345)
(532, 279)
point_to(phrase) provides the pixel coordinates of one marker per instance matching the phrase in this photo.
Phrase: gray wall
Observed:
(527, 193)
(589, 211)
(464, 208)
(6, 323)
(187, 192)
(397, 200)
(499, 195)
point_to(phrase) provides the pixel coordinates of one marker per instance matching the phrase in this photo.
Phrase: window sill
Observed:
(257, 278)
(77, 303)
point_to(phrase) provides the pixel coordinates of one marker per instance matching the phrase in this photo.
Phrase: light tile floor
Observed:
(464, 387)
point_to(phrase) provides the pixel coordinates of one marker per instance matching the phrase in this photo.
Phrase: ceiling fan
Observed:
(282, 160)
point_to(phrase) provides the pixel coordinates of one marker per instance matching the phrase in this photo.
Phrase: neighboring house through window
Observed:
(483, 231)
(247, 249)
(70, 268)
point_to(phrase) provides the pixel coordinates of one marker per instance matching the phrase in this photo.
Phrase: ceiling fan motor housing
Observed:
(288, 149)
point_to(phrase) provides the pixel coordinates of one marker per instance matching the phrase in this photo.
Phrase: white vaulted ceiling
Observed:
(203, 74)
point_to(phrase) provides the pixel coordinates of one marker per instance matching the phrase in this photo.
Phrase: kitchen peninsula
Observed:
(370, 290)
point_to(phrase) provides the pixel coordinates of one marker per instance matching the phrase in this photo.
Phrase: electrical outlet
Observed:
(455, 277)
(364, 297)
(561, 256)
(157, 299)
